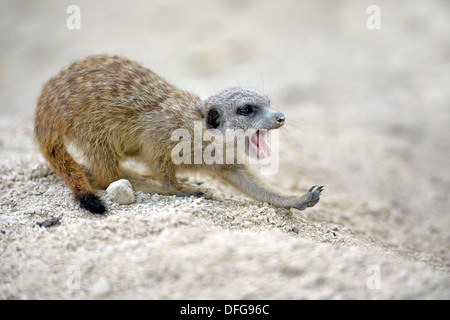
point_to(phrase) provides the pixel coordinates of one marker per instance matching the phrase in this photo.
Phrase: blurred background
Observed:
(368, 110)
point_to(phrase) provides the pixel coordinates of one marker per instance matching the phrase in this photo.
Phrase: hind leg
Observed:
(163, 180)
(104, 172)
(64, 165)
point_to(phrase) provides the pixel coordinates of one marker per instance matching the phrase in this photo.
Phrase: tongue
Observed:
(262, 149)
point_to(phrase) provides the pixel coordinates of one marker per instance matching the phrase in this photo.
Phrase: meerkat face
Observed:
(246, 110)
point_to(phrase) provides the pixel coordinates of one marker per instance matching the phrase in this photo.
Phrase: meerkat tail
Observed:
(66, 167)
(91, 202)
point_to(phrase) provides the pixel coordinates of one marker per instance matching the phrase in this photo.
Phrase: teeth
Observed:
(259, 145)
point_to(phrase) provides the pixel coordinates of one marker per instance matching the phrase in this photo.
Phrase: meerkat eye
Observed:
(246, 110)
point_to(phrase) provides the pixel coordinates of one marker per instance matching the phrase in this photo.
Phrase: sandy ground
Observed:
(368, 116)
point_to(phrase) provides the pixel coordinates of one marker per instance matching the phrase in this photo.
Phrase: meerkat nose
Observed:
(280, 118)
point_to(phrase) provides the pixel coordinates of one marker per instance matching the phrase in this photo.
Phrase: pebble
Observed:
(121, 192)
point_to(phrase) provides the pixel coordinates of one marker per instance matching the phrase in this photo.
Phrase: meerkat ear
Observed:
(212, 119)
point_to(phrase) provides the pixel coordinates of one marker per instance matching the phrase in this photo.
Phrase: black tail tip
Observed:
(92, 203)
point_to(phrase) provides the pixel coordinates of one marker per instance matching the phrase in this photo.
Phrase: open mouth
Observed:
(259, 144)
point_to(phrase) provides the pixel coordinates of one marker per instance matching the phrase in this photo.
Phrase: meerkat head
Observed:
(243, 109)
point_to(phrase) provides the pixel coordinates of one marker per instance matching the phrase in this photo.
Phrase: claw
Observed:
(311, 198)
(186, 193)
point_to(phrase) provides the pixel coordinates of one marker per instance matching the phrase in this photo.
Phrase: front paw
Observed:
(188, 193)
(310, 199)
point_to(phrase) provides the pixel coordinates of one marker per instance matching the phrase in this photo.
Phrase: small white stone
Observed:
(121, 192)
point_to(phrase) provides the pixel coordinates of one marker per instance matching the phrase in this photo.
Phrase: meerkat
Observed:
(112, 108)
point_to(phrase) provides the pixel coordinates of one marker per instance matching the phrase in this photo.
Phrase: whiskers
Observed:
(292, 131)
